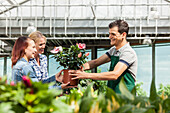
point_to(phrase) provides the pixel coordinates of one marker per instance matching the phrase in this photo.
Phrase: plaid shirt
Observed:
(40, 70)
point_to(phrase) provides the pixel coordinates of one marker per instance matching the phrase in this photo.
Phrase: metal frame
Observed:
(89, 5)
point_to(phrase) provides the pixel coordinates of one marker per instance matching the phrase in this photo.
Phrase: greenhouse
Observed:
(80, 35)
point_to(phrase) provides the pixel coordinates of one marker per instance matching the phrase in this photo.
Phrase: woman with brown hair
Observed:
(24, 49)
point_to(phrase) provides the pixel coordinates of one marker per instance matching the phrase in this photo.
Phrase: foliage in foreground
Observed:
(36, 97)
(30, 97)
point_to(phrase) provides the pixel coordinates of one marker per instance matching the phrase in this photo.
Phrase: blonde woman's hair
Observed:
(35, 36)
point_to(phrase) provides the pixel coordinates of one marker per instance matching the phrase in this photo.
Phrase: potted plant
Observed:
(71, 59)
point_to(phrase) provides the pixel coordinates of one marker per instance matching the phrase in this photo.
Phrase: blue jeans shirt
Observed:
(22, 67)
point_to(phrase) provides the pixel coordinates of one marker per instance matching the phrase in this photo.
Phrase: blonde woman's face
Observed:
(40, 45)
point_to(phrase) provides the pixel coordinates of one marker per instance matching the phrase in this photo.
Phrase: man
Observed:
(123, 60)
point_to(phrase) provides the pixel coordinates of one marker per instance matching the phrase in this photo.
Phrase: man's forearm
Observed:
(96, 62)
(102, 76)
(90, 65)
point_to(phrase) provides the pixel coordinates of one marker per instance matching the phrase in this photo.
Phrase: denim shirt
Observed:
(22, 67)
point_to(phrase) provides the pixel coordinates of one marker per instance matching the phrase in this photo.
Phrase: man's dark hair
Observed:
(122, 26)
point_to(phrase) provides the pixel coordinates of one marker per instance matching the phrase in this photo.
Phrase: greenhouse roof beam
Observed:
(91, 6)
(82, 27)
(167, 1)
(85, 5)
(10, 2)
(13, 6)
(4, 54)
(99, 42)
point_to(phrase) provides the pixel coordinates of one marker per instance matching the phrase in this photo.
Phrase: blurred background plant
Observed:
(164, 89)
(139, 90)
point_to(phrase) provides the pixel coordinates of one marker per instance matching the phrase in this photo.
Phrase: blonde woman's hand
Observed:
(59, 76)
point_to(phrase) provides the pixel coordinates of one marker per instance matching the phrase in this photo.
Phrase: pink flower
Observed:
(87, 54)
(12, 83)
(81, 46)
(56, 49)
(79, 55)
(26, 81)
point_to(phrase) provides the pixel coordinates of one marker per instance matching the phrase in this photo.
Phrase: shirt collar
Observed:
(23, 59)
(41, 56)
(122, 48)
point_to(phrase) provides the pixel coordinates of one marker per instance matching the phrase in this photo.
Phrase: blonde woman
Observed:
(39, 63)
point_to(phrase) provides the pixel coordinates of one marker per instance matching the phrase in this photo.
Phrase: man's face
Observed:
(40, 45)
(115, 37)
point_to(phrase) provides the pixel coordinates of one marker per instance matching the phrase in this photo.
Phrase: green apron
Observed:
(114, 84)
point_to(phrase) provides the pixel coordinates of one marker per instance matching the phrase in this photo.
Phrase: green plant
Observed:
(164, 89)
(32, 97)
(88, 101)
(99, 85)
(70, 58)
(35, 97)
(139, 90)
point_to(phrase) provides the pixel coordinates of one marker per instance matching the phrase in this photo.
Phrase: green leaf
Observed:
(124, 91)
(30, 97)
(141, 100)
(139, 110)
(102, 101)
(2, 87)
(133, 91)
(110, 93)
(61, 107)
(19, 97)
(86, 104)
(41, 108)
(88, 93)
(166, 104)
(6, 108)
(125, 109)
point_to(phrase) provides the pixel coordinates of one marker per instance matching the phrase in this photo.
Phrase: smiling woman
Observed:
(39, 63)
(23, 50)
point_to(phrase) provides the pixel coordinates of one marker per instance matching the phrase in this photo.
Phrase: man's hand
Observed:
(59, 76)
(78, 74)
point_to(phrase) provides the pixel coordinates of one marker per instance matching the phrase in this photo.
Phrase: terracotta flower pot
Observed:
(67, 78)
